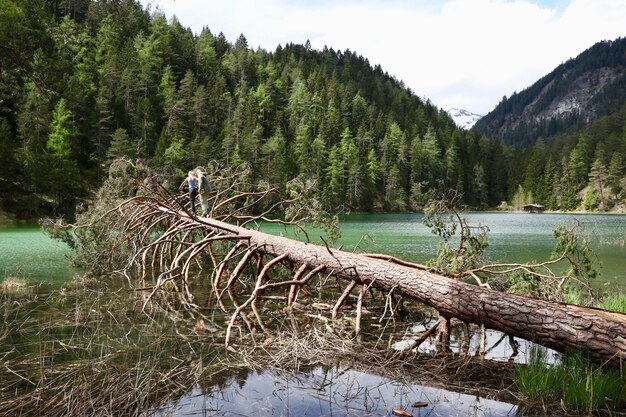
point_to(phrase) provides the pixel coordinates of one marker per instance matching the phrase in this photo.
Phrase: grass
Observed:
(539, 383)
(616, 302)
(573, 295)
(577, 385)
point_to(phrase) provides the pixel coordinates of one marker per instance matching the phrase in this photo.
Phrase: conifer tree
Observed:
(64, 175)
(616, 173)
(598, 179)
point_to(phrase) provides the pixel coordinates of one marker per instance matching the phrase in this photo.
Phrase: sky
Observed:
(465, 54)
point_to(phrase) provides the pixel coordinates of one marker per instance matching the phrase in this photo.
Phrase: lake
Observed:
(322, 390)
(27, 253)
(513, 237)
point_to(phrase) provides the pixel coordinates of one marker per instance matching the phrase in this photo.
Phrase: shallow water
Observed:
(27, 253)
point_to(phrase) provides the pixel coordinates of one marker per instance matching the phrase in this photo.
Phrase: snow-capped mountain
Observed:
(463, 118)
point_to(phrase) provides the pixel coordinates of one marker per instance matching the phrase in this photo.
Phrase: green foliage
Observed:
(574, 295)
(521, 198)
(96, 235)
(577, 384)
(539, 383)
(120, 146)
(591, 200)
(568, 277)
(576, 248)
(10, 175)
(325, 116)
(62, 131)
(442, 217)
(63, 173)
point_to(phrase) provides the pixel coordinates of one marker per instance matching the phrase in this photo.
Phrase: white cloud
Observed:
(457, 53)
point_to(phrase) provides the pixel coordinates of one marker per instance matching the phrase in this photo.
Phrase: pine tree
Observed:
(598, 179)
(546, 193)
(61, 132)
(64, 175)
(616, 173)
(120, 146)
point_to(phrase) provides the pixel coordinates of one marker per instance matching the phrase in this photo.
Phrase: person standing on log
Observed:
(204, 188)
(192, 184)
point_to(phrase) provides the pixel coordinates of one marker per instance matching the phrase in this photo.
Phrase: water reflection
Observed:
(333, 391)
(468, 340)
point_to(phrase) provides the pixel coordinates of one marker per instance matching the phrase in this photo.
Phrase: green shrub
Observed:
(591, 200)
(574, 295)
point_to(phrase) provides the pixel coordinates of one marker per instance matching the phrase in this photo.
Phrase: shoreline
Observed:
(7, 219)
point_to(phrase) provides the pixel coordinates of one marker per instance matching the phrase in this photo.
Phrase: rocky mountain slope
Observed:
(569, 98)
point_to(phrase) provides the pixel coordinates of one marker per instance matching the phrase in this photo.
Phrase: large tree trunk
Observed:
(556, 325)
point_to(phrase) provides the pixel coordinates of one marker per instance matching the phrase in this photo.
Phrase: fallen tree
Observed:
(556, 325)
(172, 256)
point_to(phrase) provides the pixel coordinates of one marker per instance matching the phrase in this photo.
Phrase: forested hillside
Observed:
(577, 92)
(583, 170)
(569, 133)
(84, 82)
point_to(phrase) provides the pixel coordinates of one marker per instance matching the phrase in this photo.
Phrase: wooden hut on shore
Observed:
(533, 208)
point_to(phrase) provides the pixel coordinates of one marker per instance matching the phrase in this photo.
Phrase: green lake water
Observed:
(26, 252)
(513, 237)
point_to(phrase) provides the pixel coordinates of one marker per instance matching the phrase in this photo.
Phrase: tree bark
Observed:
(555, 325)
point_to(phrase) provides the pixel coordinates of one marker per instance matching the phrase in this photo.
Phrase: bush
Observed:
(591, 200)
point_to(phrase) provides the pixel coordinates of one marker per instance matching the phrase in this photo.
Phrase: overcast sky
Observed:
(457, 53)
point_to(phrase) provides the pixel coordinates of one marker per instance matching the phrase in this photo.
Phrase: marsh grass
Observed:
(616, 302)
(578, 385)
(15, 284)
(88, 350)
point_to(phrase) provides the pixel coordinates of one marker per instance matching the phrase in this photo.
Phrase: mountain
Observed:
(463, 118)
(575, 93)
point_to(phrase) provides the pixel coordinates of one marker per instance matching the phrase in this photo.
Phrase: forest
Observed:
(84, 82)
